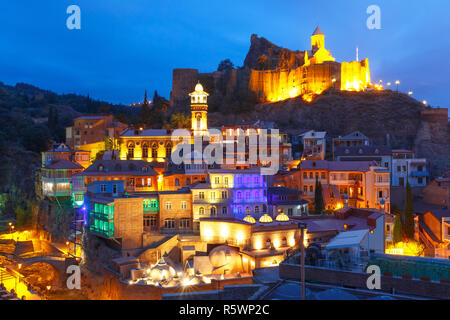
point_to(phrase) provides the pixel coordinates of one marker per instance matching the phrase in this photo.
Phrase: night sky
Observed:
(125, 47)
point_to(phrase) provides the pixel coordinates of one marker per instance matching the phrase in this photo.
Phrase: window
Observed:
(322, 175)
(420, 180)
(257, 209)
(239, 195)
(311, 189)
(380, 194)
(201, 211)
(177, 182)
(183, 205)
(131, 150)
(247, 195)
(201, 195)
(188, 181)
(154, 150)
(224, 211)
(185, 223)
(114, 188)
(248, 210)
(168, 205)
(224, 195)
(169, 223)
(212, 195)
(103, 188)
(217, 180)
(225, 181)
(311, 175)
(213, 211)
(290, 212)
(388, 228)
(149, 182)
(305, 176)
(305, 188)
(145, 150)
(399, 168)
(168, 150)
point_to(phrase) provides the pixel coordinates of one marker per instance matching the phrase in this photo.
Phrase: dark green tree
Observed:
(225, 65)
(398, 228)
(318, 198)
(408, 214)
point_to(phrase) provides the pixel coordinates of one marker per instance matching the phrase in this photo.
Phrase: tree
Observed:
(408, 216)
(318, 198)
(398, 229)
(225, 65)
(180, 121)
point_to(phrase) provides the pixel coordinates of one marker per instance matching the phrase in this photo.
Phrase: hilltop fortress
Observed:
(274, 74)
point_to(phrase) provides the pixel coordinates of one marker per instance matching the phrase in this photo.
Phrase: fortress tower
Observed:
(199, 110)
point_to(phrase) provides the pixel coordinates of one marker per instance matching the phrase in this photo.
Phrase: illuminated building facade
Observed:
(354, 139)
(318, 73)
(138, 176)
(57, 172)
(314, 145)
(358, 184)
(407, 168)
(230, 193)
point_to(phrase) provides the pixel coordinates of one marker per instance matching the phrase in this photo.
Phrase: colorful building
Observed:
(407, 168)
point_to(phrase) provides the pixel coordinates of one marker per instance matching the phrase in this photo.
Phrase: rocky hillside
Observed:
(387, 118)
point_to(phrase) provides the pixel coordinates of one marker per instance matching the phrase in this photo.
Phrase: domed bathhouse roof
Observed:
(162, 271)
(265, 219)
(198, 87)
(281, 217)
(249, 219)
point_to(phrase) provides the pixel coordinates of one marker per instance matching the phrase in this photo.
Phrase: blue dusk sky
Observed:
(125, 47)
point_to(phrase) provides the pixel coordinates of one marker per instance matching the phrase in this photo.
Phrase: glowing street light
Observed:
(389, 84)
(410, 93)
(397, 82)
(424, 102)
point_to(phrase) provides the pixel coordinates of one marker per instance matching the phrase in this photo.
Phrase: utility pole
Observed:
(302, 227)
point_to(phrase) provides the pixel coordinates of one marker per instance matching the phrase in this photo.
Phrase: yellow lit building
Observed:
(318, 73)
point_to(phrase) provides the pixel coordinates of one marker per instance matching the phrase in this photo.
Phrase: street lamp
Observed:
(389, 84)
(302, 227)
(382, 203)
(397, 82)
(424, 102)
(410, 93)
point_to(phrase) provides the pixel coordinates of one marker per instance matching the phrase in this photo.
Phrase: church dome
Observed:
(281, 217)
(265, 219)
(249, 219)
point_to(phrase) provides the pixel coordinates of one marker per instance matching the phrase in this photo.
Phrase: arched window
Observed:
(177, 182)
(201, 211)
(213, 211)
(248, 210)
(169, 223)
(268, 242)
(256, 209)
(224, 211)
(155, 150)
(264, 208)
(168, 150)
(131, 150)
(145, 150)
(188, 181)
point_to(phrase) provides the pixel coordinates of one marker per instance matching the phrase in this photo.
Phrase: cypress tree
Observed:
(398, 228)
(408, 215)
(318, 198)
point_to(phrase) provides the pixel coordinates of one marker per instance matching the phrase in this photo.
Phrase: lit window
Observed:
(168, 205)
(183, 205)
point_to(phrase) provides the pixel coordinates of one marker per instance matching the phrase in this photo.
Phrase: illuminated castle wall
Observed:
(318, 73)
